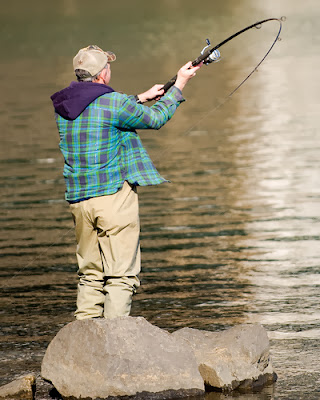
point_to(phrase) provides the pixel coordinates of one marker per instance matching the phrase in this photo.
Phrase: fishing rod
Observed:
(211, 55)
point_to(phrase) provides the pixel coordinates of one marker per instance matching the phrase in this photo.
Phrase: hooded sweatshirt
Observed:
(70, 102)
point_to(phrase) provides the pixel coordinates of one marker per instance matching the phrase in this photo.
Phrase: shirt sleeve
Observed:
(137, 116)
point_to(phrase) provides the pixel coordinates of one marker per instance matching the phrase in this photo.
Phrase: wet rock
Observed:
(21, 388)
(45, 390)
(237, 358)
(124, 356)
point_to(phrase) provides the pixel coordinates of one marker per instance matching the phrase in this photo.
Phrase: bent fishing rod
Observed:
(211, 55)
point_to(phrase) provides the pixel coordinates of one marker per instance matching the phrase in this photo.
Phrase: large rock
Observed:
(97, 358)
(21, 388)
(237, 358)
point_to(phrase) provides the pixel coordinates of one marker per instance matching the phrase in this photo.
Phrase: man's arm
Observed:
(132, 115)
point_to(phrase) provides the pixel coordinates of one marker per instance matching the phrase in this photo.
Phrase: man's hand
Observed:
(185, 73)
(153, 93)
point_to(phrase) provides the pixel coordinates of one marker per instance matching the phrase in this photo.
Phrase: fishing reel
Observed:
(213, 57)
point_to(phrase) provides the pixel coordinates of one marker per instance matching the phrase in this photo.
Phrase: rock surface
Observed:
(237, 358)
(124, 356)
(21, 388)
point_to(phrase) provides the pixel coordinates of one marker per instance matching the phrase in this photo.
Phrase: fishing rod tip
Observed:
(283, 18)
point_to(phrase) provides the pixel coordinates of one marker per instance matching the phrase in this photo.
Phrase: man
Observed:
(104, 162)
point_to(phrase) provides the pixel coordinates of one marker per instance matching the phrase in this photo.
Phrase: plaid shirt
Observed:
(101, 148)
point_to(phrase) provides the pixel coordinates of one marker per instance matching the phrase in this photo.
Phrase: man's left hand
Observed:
(154, 93)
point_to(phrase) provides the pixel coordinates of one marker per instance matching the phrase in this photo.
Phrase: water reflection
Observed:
(234, 237)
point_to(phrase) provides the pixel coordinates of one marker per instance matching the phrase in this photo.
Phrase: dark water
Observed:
(235, 237)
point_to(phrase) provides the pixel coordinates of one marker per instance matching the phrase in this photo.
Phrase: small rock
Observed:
(22, 388)
(124, 356)
(237, 358)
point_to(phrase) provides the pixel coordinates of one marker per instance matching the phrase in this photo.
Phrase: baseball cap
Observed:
(92, 59)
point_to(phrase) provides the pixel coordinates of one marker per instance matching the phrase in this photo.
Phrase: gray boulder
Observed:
(124, 356)
(237, 358)
(21, 388)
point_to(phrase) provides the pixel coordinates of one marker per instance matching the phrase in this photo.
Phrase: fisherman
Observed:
(105, 161)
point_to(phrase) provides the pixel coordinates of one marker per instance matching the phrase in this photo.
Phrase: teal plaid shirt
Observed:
(102, 149)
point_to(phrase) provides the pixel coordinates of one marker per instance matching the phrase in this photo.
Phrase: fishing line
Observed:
(212, 55)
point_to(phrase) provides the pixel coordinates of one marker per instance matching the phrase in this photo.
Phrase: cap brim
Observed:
(111, 56)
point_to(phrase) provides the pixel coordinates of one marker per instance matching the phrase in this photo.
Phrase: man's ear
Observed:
(101, 77)
(103, 74)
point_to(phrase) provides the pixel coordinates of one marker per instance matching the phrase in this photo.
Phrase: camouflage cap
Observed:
(92, 59)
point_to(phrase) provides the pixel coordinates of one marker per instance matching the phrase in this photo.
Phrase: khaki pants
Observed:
(108, 252)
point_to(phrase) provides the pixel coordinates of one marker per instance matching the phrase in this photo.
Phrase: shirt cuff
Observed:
(176, 94)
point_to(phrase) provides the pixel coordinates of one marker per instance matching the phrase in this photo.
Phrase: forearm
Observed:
(180, 84)
(137, 116)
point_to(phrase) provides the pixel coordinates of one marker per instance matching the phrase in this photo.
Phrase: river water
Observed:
(234, 238)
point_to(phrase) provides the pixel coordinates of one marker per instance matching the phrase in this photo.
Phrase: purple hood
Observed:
(71, 101)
